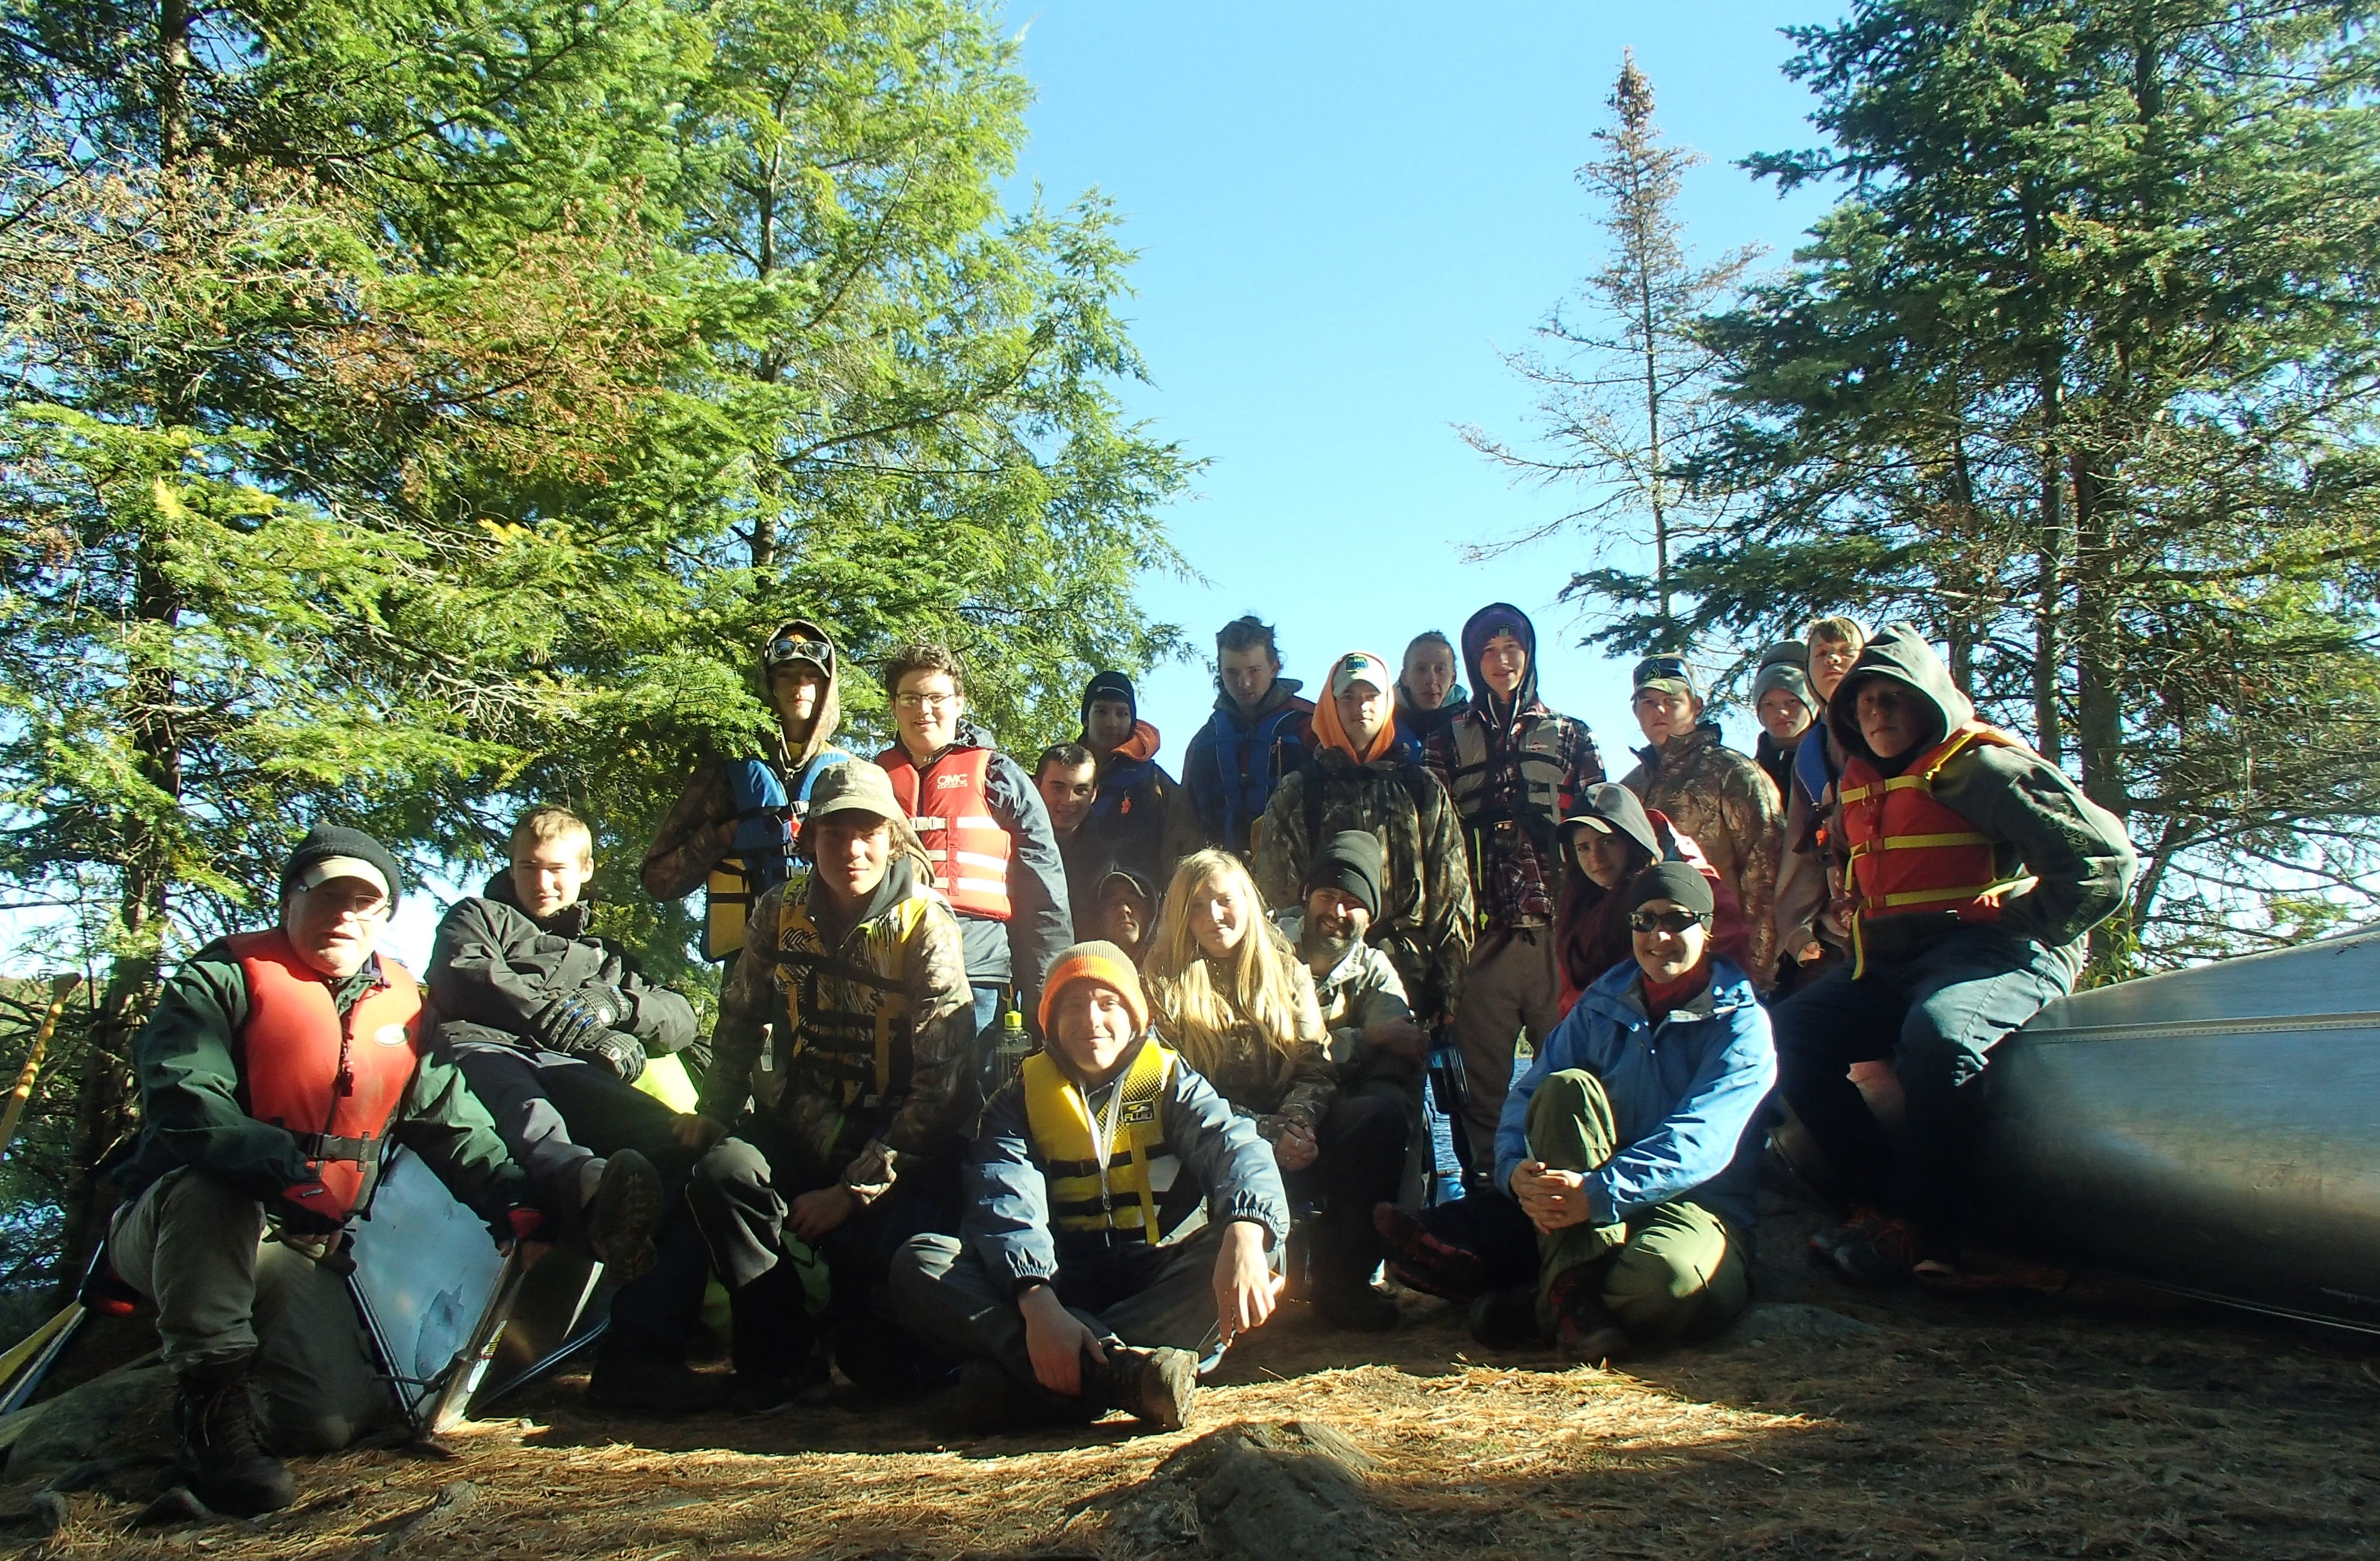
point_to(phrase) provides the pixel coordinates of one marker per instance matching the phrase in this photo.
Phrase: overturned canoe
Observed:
(2214, 1131)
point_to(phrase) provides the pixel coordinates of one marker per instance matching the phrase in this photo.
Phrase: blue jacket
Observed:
(1683, 1094)
(1007, 1200)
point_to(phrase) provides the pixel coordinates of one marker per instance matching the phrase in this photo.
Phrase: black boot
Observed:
(224, 1462)
(776, 1349)
(1156, 1386)
(637, 1377)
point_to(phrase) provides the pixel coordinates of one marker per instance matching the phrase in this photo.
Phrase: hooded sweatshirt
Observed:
(1514, 840)
(692, 837)
(2076, 852)
(1135, 802)
(1425, 925)
(1421, 725)
(1231, 766)
(1727, 804)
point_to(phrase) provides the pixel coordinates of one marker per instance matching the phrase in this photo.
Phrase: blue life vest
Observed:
(1810, 773)
(762, 855)
(1247, 764)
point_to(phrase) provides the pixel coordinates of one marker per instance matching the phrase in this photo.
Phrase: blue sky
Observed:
(1345, 213)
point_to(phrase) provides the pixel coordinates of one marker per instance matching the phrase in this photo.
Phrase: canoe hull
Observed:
(2214, 1131)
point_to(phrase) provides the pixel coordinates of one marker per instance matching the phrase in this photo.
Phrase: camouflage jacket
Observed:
(1727, 804)
(1426, 921)
(895, 953)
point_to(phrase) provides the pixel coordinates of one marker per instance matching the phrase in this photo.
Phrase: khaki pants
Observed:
(195, 1246)
(1675, 1272)
(1513, 988)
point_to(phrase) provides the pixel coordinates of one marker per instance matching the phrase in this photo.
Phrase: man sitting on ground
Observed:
(1978, 868)
(1627, 1159)
(853, 980)
(1056, 1291)
(1127, 912)
(245, 1180)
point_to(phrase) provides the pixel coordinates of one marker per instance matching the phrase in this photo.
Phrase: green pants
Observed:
(1674, 1272)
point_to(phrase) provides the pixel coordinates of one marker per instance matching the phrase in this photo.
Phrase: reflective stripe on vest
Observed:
(1908, 852)
(1103, 1176)
(951, 810)
(334, 1083)
(761, 858)
(849, 1026)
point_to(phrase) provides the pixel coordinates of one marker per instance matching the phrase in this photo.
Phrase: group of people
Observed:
(1045, 1082)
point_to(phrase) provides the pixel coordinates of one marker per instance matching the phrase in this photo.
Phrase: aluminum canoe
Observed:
(2213, 1130)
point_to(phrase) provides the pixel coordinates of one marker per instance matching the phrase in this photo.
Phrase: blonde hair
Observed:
(1846, 630)
(548, 821)
(1206, 1024)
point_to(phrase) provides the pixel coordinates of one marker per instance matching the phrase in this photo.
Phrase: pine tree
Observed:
(2080, 377)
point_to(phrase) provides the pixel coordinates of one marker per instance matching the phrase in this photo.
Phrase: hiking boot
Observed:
(636, 1378)
(988, 1399)
(1356, 1307)
(1419, 1261)
(621, 1215)
(1886, 1255)
(1506, 1319)
(224, 1462)
(1153, 1384)
(778, 1354)
(1583, 1327)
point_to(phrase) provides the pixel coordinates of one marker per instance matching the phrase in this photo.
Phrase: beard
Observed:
(1313, 940)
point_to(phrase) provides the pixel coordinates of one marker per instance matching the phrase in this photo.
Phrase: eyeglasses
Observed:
(920, 701)
(780, 651)
(1663, 921)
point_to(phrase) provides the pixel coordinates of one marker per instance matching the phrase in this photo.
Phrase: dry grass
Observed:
(1960, 1428)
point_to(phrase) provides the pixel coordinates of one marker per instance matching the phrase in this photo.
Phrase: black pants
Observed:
(557, 1113)
(742, 1195)
(1361, 1162)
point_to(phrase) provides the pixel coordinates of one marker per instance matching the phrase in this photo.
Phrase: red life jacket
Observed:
(950, 810)
(1911, 853)
(334, 1085)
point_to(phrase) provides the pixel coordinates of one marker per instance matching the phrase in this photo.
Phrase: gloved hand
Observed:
(566, 1022)
(296, 1219)
(620, 1052)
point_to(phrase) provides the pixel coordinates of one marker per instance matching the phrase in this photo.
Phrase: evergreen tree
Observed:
(2080, 377)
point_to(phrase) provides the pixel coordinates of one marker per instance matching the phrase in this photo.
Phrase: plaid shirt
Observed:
(1515, 872)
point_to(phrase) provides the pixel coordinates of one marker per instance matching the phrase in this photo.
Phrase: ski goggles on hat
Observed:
(784, 651)
(1665, 921)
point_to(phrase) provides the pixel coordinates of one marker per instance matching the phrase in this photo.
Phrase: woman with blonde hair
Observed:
(1230, 993)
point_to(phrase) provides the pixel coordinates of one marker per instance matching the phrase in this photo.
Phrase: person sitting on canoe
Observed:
(1977, 868)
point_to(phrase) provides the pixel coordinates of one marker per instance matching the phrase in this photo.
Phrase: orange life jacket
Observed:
(1911, 853)
(334, 1085)
(950, 810)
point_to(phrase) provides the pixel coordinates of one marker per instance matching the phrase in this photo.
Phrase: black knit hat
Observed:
(1352, 863)
(1109, 685)
(1672, 880)
(325, 842)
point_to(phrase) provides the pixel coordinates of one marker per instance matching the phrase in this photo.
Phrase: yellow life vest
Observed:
(847, 1033)
(1118, 1191)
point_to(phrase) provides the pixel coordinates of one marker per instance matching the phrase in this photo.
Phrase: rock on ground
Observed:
(1295, 1488)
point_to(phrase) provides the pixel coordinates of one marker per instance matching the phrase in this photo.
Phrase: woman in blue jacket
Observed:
(1627, 1159)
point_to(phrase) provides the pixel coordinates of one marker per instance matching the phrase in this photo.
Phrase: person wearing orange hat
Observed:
(1060, 1294)
(1363, 778)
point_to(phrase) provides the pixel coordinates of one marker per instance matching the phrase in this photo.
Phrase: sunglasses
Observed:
(1664, 921)
(780, 651)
